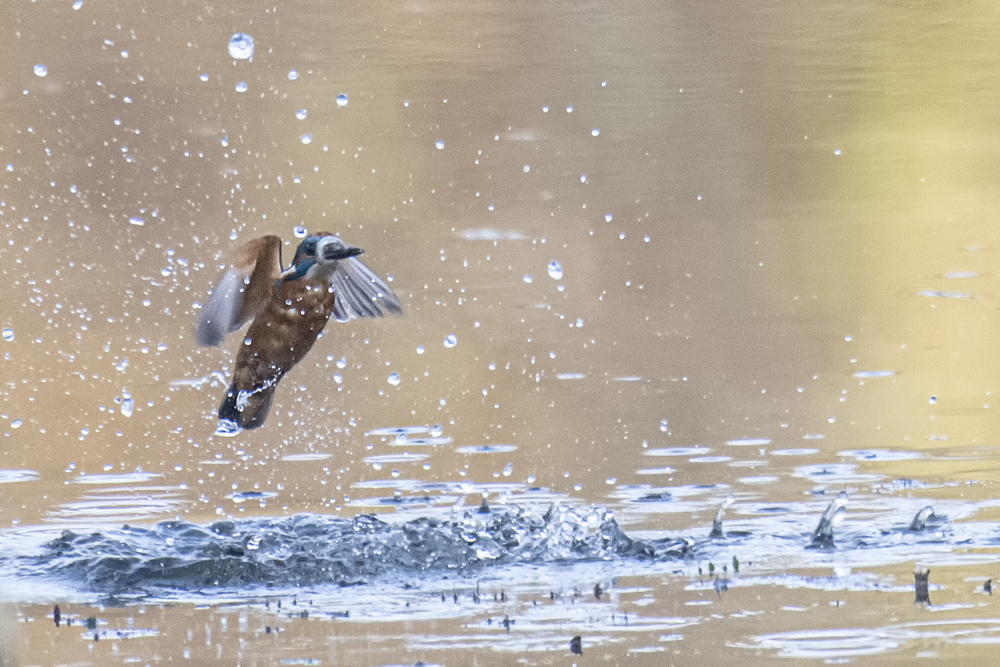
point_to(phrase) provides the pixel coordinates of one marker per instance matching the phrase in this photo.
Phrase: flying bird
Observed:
(288, 309)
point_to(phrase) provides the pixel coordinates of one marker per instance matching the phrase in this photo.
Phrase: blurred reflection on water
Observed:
(642, 250)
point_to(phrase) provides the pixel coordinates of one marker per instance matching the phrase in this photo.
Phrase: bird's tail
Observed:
(247, 409)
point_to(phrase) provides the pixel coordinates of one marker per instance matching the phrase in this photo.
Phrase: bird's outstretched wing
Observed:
(360, 292)
(247, 284)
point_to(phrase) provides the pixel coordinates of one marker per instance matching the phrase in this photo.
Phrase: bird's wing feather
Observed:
(247, 284)
(360, 292)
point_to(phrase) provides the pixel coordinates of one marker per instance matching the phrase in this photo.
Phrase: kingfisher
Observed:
(288, 308)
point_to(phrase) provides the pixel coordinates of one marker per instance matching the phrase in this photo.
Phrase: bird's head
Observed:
(318, 249)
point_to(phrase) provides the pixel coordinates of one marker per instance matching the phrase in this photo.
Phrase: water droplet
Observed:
(595, 132)
(394, 379)
(227, 428)
(166, 271)
(241, 87)
(932, 400)
(307, 138)
(338, 378)
(555, 270)
(508, 469)
(545, 109)
(579, 322)
(41, 70)
(78, 4)
(342, 100)
(128, 404)
(16, 423)
(301, 114)
(342, 362)
(420, 349)
(664, 426)
(439, 145)
(836, 151)
(8, 335)
(436, 431)
(137, 221)
(608, 217)
(527, 168)
(395, 473)
(610, 480)
(528, 279)
(300, 232)
(241, 46)
(569, 109)
(225, 141)
(292, 75)
(451, 340)
(203, 77)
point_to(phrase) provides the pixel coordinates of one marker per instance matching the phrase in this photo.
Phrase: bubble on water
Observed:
(436, 431)
(420, 349)
(301, 114)
(166, 271)
(241, 87)
(225, 141)
(451, 340)
(342, 362)
(137, 221)
(300, 232)
(608, 217)
(241, 46)
(8, 335)
(508, 469)
(530, 479)
(569, 109)
(307, 138)
(527, 279)
(545, 109)
(932, 400)
(203, 76)
(595, 132)
(664, 425)
(836, 151)
(128, 404)
(579, 322)
(292, 75)
(394, 379)
(527, 168)
(555, 270)
(78, 4)
(16, 423)
(41, 70)
(610, 480)
(439, 145)
(338, 378)
(342, 100)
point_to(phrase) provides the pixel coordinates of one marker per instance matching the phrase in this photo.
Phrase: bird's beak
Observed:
(331, 254)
